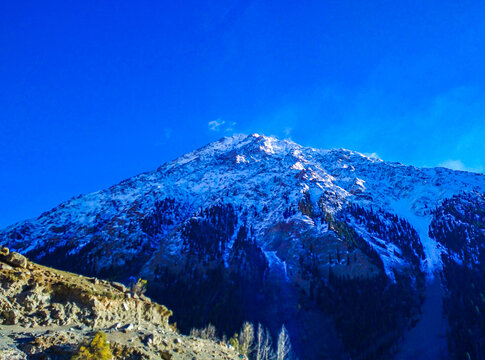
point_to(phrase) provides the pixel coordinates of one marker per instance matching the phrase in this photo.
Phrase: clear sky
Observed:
(93, 92)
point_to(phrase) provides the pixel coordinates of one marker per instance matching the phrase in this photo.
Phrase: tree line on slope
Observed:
(459, 224)
(256, 344)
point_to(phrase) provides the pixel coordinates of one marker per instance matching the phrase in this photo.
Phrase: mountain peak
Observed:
(252, 172)
(271, 145)
(261, 209)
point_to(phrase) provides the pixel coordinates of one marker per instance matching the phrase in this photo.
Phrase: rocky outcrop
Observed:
(12, 258)
(48, 312)
(33, 295)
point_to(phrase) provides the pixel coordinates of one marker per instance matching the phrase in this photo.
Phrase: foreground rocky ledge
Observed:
(47, 313)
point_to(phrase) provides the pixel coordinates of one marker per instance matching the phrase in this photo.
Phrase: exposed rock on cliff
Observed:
(47, 313)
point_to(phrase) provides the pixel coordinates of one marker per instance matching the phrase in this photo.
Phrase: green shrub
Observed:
(234, 342)
(98, 349)
(140, 287)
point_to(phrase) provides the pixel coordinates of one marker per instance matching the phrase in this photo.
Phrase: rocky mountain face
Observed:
(338, 246)
(48, 314)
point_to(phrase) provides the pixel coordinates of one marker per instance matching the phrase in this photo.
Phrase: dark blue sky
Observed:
(93, 92)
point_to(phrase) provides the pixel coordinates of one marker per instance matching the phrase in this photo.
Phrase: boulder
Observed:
(16, 260)
(11, 317)
(128, 327)
(4, 266)
(166, 355)
(119, 286)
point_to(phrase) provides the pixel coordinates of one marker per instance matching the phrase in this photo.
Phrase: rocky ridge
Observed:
(47, 313)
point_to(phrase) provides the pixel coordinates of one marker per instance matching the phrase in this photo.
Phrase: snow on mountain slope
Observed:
(432, 250)
(261, 176)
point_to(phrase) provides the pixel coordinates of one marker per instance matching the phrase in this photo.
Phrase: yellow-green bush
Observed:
(140, 287)
(234, 342)
(98, 349)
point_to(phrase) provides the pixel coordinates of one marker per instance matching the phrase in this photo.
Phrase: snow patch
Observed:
(297, 166)
(240, 159)
(387, 254)
(268, 146)
(276, 264)
(432, 250)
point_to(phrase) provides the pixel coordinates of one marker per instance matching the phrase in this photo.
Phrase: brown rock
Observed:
(4, 266)
(57, 299)
(166, 355)
(11, 317)
(16, 260)
(119, 286)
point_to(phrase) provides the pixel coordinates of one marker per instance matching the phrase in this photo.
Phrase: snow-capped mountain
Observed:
(260, 174)
(258, 207)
